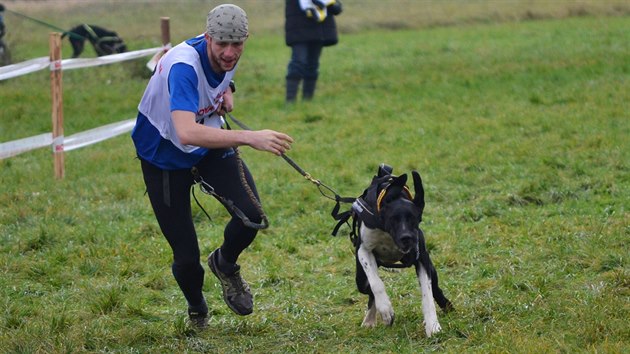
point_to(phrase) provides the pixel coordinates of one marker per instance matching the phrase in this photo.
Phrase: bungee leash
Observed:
(205, 187)
(324, 189)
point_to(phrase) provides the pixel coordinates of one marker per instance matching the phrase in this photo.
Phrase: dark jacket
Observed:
(299, 28)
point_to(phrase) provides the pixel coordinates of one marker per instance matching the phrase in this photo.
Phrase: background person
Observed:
(179, 128)
(2, 28)
(309, 26)
(5, 56)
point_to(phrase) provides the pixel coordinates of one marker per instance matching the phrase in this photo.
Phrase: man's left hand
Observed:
(228, 103)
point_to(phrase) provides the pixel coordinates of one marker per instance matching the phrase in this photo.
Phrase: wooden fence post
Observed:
(166, 41)
(166, 30)
(57, 103)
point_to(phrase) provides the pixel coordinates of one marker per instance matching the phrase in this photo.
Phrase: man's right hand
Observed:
(269, 140)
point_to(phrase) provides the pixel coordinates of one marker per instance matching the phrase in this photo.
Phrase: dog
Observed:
(386, 233)
(104, 41)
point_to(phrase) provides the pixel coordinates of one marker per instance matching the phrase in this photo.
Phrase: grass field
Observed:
(514, 112)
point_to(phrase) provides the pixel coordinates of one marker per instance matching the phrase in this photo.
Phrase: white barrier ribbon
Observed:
(89, 137)
(76, 63)
(99, 134)
(19, 146)
(29, 66)
(23, 68)
(61, 143)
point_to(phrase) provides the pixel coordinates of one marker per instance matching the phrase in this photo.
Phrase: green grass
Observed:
(520, 131)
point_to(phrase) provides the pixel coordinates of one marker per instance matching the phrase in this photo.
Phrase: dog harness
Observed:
(98, 41)
(367, 207)
(366, 210)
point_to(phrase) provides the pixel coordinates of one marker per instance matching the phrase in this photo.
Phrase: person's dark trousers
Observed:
(169, 193)
(304, 65)
(308, 89)
(293, 85)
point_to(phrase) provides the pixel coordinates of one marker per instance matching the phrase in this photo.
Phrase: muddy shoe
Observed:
(198, 320)
(198, 316)
(236, 293)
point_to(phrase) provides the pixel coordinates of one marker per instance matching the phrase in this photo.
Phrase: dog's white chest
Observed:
(381, 244)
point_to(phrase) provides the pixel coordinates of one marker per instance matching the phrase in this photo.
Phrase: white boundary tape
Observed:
(23, 68)
(33, 65)
(17, 147)
(68, 64)
(76, 141)
(99, 134)
(79, 140)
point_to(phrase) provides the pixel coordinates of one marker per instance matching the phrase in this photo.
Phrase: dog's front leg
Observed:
(431, 324)
(381, 300)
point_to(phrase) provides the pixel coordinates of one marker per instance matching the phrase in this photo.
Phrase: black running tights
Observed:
(169, 193)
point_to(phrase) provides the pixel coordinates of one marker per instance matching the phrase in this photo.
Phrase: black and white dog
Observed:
(104, 41)
(386, 233)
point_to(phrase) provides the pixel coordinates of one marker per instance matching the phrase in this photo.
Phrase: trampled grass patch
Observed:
(519, 129)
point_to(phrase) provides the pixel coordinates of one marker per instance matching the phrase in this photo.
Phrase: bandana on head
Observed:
(227, 23)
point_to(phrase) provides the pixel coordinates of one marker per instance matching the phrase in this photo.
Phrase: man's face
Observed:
(223, 55)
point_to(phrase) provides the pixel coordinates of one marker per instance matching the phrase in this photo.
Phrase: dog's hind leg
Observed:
(431, 323)
(438, 295)
(370, 314)
(381, 301)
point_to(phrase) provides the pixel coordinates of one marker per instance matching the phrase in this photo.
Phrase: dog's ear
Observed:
(399, 181)
(396, 187)
(419, 189)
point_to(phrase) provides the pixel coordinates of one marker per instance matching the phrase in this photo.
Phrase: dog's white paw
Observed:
(432, 328)
(385, 309)
(387, 314)
(388, 317)
(369, 322)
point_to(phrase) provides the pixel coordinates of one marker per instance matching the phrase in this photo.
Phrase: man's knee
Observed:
(186, 265)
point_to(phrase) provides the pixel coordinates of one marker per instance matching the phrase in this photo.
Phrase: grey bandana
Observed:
(227, 23)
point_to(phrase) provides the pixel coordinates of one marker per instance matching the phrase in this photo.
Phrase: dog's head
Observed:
(400, 213)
